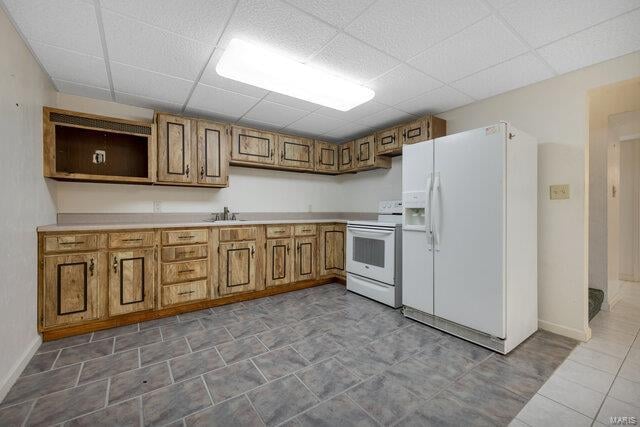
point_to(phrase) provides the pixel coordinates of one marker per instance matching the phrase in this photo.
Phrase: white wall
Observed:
(612, 287)
(27, 199)
(555, 111)
(629, 248)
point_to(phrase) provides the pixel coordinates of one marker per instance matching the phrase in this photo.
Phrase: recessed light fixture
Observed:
(269, 70)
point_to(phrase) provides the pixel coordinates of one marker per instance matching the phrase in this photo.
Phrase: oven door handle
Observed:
(370, 232)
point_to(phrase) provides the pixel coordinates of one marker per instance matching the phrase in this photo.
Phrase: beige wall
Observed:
(629, 249)
(555, 111)
(27, 199)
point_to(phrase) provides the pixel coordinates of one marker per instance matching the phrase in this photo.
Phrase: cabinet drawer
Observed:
(183, 271)
(234, 234)
(183, 292)
(131, 240)
(71, 242)
(277, 231)
(181, 237)
(182, 253)
(305, 230)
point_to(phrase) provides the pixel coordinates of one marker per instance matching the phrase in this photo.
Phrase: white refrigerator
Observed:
(470, 235)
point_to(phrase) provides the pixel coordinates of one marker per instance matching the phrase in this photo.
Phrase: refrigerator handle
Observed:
(429, 230)
(435, 225)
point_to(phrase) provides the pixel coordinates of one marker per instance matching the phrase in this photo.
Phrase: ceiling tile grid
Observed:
(419, 56)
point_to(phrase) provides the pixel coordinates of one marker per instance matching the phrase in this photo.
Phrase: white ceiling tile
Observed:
(144, 102)
(315, 124)
(209, 115)
(220, 101)
(352, 59)
(335, 12)
(349, 131)
(291, 102)
(543, 21)
(278, 26)
(500, 3)
(355, 113)
(137, 81)
(479, 46)
(134, 43)
(212, 78)
(385, 118)
(275, 114)
(521, 71)
(82, 90)
(400, 84)
(62, 64)
(70, 24)
(198, 19)
(405, 28)
(258, 124)
(436, 101)
(608, 40)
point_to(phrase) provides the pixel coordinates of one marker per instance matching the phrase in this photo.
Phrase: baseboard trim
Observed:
(18, 367)
(611, 302)
(576, 334)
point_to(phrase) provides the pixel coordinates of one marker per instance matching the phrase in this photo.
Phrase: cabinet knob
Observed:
(271, 154)
(202, 172)
(253, 251)
(92, 266)
(115, 264)
(187, 171)
(288, 249)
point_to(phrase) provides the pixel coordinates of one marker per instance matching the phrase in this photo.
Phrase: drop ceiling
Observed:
(420, 56)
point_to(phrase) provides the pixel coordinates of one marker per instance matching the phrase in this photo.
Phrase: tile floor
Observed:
(320, 356)
(600, 379)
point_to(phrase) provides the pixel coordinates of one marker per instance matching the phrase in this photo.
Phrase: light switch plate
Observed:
(559, 192)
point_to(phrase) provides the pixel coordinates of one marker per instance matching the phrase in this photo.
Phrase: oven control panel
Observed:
(390, 207)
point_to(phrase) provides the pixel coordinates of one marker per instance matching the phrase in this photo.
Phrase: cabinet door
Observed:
(131, 281)
(237, 267)
(332, 239)
(174, 149)
(387, 141)
(213, 153)
(305, 261)
(279, 262)
(346, 156)
(326, 157)
(70, 288)
(252, 146)
(364, 150)
(415, 131)
(295, 152)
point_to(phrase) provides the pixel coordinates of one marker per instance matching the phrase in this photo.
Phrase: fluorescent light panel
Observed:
(260, 67)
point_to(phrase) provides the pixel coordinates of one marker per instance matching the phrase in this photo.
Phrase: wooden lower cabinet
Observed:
(71, 289)
(182, 293)
(332, 250)
(279, 262)
(305, 264)
(131, 281)
(236, 267)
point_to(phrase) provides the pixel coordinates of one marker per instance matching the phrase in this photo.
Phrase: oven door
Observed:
(371, 251)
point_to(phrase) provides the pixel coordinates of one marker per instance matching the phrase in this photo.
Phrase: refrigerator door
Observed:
(417, 251)
(468, 218)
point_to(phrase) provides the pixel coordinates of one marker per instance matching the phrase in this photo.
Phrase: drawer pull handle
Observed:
(133, 240)
(185, 253)
(185, 292)
(278, 231)
(191, 270)
(73, 243)
(306, 230)
(187, 237)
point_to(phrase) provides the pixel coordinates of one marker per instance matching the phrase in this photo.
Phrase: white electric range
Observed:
(374, 255)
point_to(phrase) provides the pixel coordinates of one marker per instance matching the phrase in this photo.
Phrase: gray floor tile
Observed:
(626, 391)
(244, 328)
(510, 377)
(278, 363)
(349, 337)
(541, 411)
(108, 366)
(548, 347)
(443, 410)
(16, 414)
(465, 348)
(317, 348)
(40, 363)
(339, 411)
(134, 383)
(384, 399)
(241, 349)
(194, 364)
(114, 332)
(181, 329)
(250, 313)
(174, 402)
(311, 327)
(208, 338)
(160, 351)
(123, 414)
(228, 308)
(137, 339)
(218, 320)
(418, 378)
(234, 412)
(447, 362)
(233, 380)
(616, 408)
(149, 324)
(328, 378)
(64, 342)
(531, 362)
(32, 386)
(192, 315)
(362, 362)
(281, 400)
(67, 404)
(279, 337)
(80, 353)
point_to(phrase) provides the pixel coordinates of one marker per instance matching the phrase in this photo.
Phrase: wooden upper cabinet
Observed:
(174, 149)
(388, 142)
(237, 267)
(71, 289)
(295, 152)
(131, 281)
(213, 153)
(280, 256)
(346, 160)
(365, 152)
(429, 127)
(252, 146)
(326, 157)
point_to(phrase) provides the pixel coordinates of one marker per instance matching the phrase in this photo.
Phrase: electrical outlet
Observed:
(157, 206)
(559, 192)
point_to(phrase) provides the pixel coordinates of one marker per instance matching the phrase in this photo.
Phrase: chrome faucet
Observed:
(225, 215)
